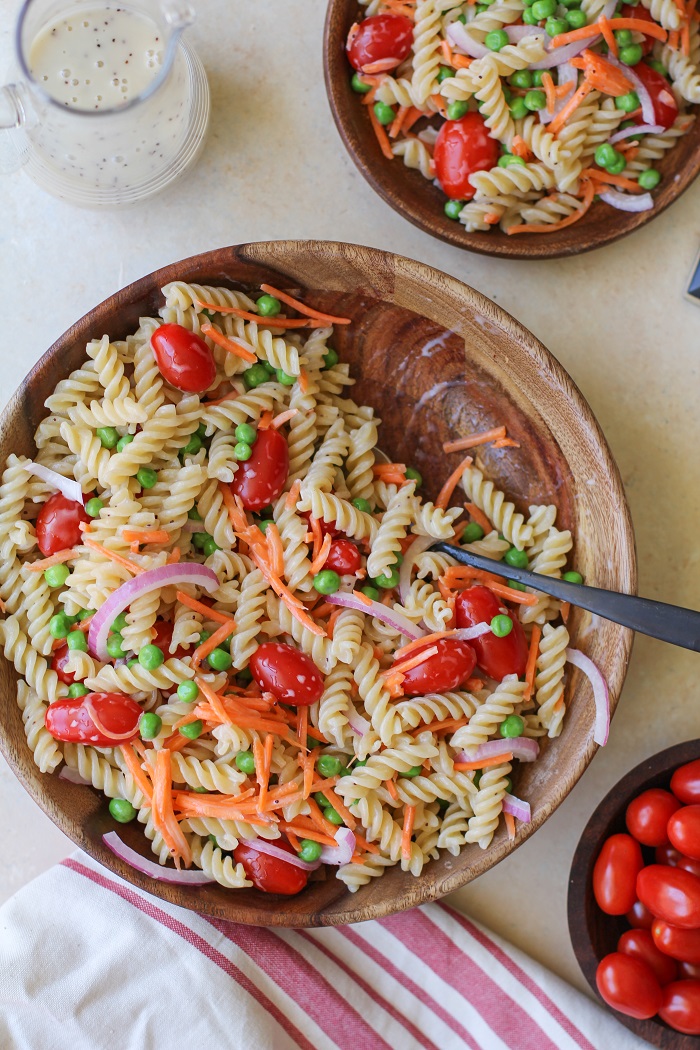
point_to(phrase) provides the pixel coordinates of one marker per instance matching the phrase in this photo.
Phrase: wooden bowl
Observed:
(435, 358)
(422, 203)
(594, 934)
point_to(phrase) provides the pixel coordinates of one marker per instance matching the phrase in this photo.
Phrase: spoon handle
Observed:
(670, 623)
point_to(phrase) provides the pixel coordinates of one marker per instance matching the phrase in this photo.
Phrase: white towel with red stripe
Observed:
(88, 962)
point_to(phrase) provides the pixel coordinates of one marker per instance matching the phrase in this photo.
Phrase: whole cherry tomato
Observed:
(679, 944)
(343, 558)
(260, 479)
(498, 657)
(57, 527)
(665, 105)
(615, 874)
(667, 855)
(686, 969)
(685, 782)
(639, 916)
(270, 874)
(684, 831)
(642, 15)
(648, 815)
(680, 1006)
(116, 719)
(378, 37)
(163, 637)
(287, 673)
(58, 664)
(628, 985)
(671, 894)
(689, 864)
(462, 147)
(447, 669)
(640, 945)
(184, 359)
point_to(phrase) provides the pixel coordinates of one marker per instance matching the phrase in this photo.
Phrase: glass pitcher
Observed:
(110, 105)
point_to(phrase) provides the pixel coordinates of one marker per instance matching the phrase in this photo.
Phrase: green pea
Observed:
(263, 525)
(398, 557)
(219, 660)
(535, 100)
(124, 440)
(537, 77)
(361, 762)
(507, 93)
(255, 376)
(133, 662)
(624, 37)
(658, 66)
(453, 209)
(476, 780)
(472, 532)
(628, 103)
(571, 4)
(188, 691)
(573, 577)
(619, 166)
(93, 507)
(344, 771)
(501, 625)
(246, 433)
(371, 592)
(327, 581)
(242, 451)
(605, 154)
(649, 179)
(311, 743)
(497, 39)
(56, 575)
(511, 727)
(521, 78)
(529, 18)
(284, 378)
(362, 504)
(268, 306)
(414, 475)
(384, 114)
(245, 762)
(631, 55)
(576, 18)
(443, 804)
(516, 586)
(193, 446)
(193, 729)
(194, 515)
(267, 512)
(245, 675)
(151, 657)
(544, 8)
(509, 785)
(209, 314)
(516, 558)
(150, 725)
(271, 369)
(414, 771)
(462, 19)
(84, 614)
(77, 641)
(328, 765)
(518, 109)
(330, 358)
(387, 580)
(109, 436)
(480, 8)
(201, 431)
(332, 815)
(122, 810)
(320, 799)
(203, 791)
(309, 850)
(115, 647)
(119, 623)
(444, 73)
(146, 477)
(556, 26)
(199, 539)
(509, 160)
(77, 689)
(357, 84)
(456, 109)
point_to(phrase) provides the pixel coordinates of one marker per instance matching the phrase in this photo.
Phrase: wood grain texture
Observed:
(594, 934)
(436, 359)
(422, 203)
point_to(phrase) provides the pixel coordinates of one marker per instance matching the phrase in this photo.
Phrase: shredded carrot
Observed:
(320, 612)
(608, 35)
(521, 149)
(685, 38)
(302, 725)
(398, 121)
(531, 665)
(474, 684)
(601, 74)
(565, 610)
(302, 308)
(3, 607)
(450, 485)
(308, 833)
(275, 548)
(283, 418)
(262, 779)
(162, 813)
(368, 847)
(369, 98)
(138, 775)
(614, 180)
(408, 821)
(461, 61)
(265, 420)
(232, 346)
(380, 469)
(638, 24)
(215, 701)
(382, 65)
(440, 727)
(548, 85)
(303, 380)
(393, 683)
(482, 763)
(55, 559)
(565, 112)
(413, 661)
(212, 643)
(439, 103)
(446, 52)
(340, 807)
(588, 195)
(322, 556)
(113, 556)
(200, 607)
(510, 825)
(335, 613)
(362, 597)
(174, 556)
(482, 437)
(674, 39)
(318, 818)
(146, 535)
(391, 788)
(559, 702)
(381, 135)
(222, 400)
(293, 841)
(293, 494)
(477, 515)
(269, 322)
(506, 443)
(410, 119)
(309, 762)
(410, 647)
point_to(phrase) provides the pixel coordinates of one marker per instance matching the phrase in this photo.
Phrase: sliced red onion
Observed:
(397, 620)
(357, 723)
(263, 846)
(558, 55)
(343, 852)
(648, 114)
(419, 545)
(601, 693)
(566, 74)
(116, 737)
(523, 748)
(151, 580)
(467, 634)
(627, 201)
(150, 867)
(458, 35)
(72, 776)
(67, 486)
(517, 808)
(193, 526)
(640, 129)
(517, 33)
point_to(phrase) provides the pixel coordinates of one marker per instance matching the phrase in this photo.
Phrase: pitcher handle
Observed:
(15, 115)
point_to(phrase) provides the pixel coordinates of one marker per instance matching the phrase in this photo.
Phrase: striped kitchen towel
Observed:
(88, 962)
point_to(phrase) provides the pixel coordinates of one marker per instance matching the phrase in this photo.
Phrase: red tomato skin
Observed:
(270, 874)
(57, 526)
(328, 528)
(686, 969)
(671, 894)
(639, 916)
(344, 558)
(628, 985)
(685, 782)
(648, 815)
(452, 664)
(684, 831)
(498, 657)
(689, 864)
(639, 944)
(680, 1006)
(58, 663)
(277, 668)
(183, 358)
(683, 945)
(260, 479)
(642, 15)
(462, 147)
(615, 874)
(377, 37)
(163, 637)
(667, 854)
(665, 106)
(69, 719)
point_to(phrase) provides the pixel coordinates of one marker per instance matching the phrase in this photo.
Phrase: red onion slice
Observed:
(601, 693)
(419, 545)
(467, 634)
(558, 55)
(263, 846)
(116, 737)
(357, 723)
(523, 748)
(72, 776)
(639, 129)
(648, 114)
(458, 35)
(627, 201)
(395, 619)
(517, 33)
(151, 867)
(517, 808)
(66, 486)
(343, 852)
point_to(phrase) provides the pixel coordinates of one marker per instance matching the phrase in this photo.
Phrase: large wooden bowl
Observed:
(435, 358)
(594, 934)
(422, 203)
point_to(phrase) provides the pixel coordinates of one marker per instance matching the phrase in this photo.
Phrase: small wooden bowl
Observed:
(422, 203)
(593, 933)
(435, 358)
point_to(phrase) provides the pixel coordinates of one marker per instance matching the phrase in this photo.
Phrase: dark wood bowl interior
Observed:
(422, 203)
(435, 358)
(593, 933)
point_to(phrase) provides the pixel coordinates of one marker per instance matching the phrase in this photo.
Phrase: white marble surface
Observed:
(274, 167)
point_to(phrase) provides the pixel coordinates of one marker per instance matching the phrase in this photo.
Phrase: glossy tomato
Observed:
(628, 985)
(447, 669)
(667, 855)
(671, 894)
(615, 874)
(102, 719)
(686, 969)
(379, 37)
(58, 524)
(58, 664)
(184, 359)
(498, 657)
(287, 673)
(639, 916)
(260, 479)
(685, 782)
(665, 105)
(680, 1006)
(163, 636)
(641, 15)
(684, 831)
(328, 528)
(648, 814)
(688, 864)
(270, 874)
(343, 558)
(679, 944)
(640, 945)
(462, 147)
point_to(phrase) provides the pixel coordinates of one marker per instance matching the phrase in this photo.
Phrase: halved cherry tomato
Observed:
(328, 528)
(57, 526)
(639, 916)
(377, 37)
(270, 874)
(671, 894)
(684, 832)
(628, 985)
(163, 637)
(496, 656)
(680, 1006)
(58, 664)
(665, 105)
(71, 720)
(648, 815)
(184, 359)
(685, 782)
(679, 944)
(642, 15)
(343, 558)
(462, 147)
(287, 673)
(451, 665)
(640, 945)
(260, 479)
(615, 874)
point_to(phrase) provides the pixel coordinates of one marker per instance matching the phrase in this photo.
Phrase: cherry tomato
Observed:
(642, 15)
(71, 719)
(679, 944)
(451, 665)
(639, 916)
(667, 855)
(615, 874)
(184, 359)
(640, 945)
(462, 147)
(287, 673)
(671, 894)
(628, 985)
(164, 636)
(377, 37)
(680, 1006)
(58, 663)
(270, 874)
(343, 558)
(496, 656)
(328, 528)
(648, 815)
(260, 479)
(684, 831)
(689, 864)
(685, 782)
(57, 527)
(665, 106)
(686, 969)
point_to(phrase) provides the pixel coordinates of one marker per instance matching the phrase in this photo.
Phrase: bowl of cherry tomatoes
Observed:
(634, 899)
